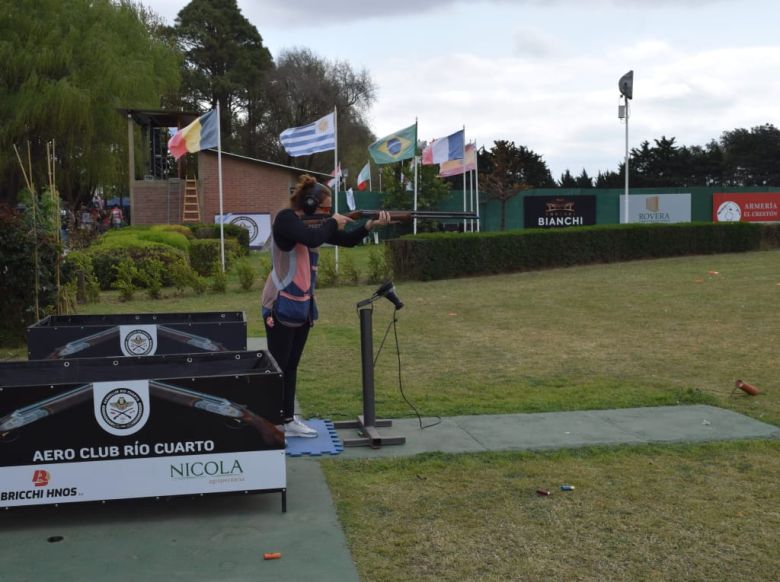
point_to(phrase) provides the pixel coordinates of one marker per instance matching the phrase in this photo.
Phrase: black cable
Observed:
(393, 320)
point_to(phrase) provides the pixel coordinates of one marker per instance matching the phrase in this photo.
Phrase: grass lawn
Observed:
(644, 333)
(703, 512)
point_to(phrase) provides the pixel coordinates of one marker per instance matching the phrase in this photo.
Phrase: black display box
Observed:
(90, 429)
(80, 336)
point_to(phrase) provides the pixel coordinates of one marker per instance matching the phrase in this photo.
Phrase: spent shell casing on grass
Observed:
(542, 492)
(567, 487)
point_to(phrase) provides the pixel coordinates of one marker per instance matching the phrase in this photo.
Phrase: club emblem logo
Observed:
(138, 340)
(247, 223)
(139, 343)
(121, 408)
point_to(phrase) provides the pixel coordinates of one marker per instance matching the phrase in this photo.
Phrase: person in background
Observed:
(288, 305)
(116, 217)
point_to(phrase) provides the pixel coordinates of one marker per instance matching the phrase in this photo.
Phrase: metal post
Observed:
(367, 361)
(625, 198)
(367, 423)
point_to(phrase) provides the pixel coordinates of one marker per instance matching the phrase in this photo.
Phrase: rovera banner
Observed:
(656, 208)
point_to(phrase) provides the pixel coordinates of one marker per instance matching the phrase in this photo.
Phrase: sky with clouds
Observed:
(544, 73)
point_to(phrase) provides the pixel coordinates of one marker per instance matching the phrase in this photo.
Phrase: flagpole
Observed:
(370, 187)
(471, 190)
(476, 183)
(219, 174)
(414, 228)
(464, 177)
(337, 172)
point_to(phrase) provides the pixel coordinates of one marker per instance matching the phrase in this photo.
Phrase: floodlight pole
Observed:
(625, 197)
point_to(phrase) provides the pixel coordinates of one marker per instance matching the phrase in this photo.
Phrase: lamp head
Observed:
(387, 290)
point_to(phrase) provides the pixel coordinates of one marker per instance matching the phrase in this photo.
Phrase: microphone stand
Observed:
(367, 423)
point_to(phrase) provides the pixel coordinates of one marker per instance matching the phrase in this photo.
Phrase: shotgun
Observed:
(28, 414)
(220, 406)
(402, 215)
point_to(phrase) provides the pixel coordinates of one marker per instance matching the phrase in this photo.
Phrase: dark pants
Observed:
(286, 346)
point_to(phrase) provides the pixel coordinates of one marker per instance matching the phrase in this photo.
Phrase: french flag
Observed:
(445, 148)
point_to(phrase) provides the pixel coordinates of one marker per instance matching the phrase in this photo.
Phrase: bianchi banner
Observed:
(559, 211)
(135, 478)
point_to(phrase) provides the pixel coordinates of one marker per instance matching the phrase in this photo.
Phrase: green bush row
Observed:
(449, 255)
(201, 231)
(206, 255)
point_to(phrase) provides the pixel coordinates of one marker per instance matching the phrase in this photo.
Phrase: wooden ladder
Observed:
(191, 207)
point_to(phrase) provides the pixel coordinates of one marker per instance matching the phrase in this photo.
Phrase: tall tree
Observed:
(304, 87)
(224, 60)
(583, 180)
(67, 66)
(751, 157)
(509, 169)
(567, 180)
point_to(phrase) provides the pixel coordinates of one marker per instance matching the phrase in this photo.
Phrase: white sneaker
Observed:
(296, 428)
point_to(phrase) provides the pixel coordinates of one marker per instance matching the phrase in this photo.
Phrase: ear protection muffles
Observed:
(311, 200)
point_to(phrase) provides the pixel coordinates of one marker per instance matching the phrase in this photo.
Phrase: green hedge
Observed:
(449, 255)
(206, 231)
(111, 251)
(205, 255)
(171, 238)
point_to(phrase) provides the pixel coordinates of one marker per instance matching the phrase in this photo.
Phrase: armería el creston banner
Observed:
(746, 207)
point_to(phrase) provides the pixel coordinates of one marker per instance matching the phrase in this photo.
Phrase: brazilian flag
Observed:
(401, 145)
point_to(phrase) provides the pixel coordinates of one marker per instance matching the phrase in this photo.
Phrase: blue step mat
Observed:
(326, 443)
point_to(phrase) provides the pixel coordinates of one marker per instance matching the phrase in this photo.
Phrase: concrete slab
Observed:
(206, 538)
(256, 343)
(464, 434)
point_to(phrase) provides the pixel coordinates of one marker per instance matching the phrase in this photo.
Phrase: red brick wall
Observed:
(247, 186)
(155, 203)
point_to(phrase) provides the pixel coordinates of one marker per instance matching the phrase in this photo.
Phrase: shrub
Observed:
(246, 274)
(180, 228)
(173, 239)
(111, 252)
(150, 272)
(378, 270)
(77, 270)
(348, 272)
(265, 268)
(126, 273)
(327, 276)
(199, 284)
(205, 255)
(219, 281)
(232, 231)
(17, 249)
(448, 255)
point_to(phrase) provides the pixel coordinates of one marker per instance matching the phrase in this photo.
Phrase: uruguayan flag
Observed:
(319, 136)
